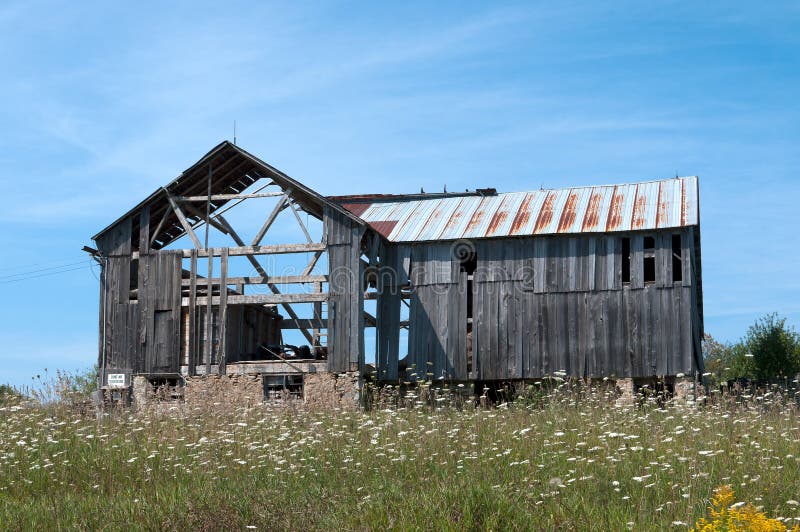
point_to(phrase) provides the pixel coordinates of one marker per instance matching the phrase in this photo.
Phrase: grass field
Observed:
(562, 462)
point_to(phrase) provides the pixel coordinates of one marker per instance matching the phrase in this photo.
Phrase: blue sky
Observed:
(101, 104)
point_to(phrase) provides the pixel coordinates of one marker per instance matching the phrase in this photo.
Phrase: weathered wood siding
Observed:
(392, 276)
(553, 304)
(119, 319)
(160, 311)
(346, 292)
(438, 316)
(142, 333)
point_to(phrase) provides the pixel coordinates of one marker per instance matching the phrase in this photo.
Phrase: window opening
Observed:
(279, 387)
(677, 259)
(649, 259)
(133, 284)
(626, 260)
(469, 263)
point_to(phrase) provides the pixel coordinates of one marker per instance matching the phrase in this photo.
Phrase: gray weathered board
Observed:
(547, 305)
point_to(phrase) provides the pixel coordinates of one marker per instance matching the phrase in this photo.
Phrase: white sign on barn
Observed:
(116, 380)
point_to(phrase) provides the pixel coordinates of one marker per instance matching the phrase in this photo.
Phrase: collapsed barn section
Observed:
(472, 287)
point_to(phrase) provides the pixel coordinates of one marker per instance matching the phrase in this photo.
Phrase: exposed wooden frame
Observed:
(258, 280)
(193, 314)
(260, 299)
(208, 302)
(227, 197)
(154, 234)
(197, 214)
(312, 263)
(293, 208)
(252, 250)
(182, 219)
(223, 310)
(270, 220)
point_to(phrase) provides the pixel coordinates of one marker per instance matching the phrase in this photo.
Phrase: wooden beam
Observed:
(260, 299)
(263, 273)
(223, 310)
(299, 221)
(209, 333)
(270, 219)
(197, 214)
(288, 279)
(312, 263)
(303, 323)
(182, 219)
(315, 332)
(227, 197)
(252, 250)
(192, 333)
(154, 234)
(374, 295)
(144, 229)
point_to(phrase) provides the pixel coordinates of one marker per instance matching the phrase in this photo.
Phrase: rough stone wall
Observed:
(143, 392)
(228, 390)
(686, 390)
(331, 390)
(626, 392)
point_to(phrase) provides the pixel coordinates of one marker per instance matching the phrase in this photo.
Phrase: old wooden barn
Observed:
(586, 282)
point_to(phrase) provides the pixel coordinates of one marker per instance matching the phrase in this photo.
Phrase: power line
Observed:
(45, 274)
(34, 265)
(41, 270)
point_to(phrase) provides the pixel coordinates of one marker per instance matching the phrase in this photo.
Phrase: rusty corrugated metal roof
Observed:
(664, 204)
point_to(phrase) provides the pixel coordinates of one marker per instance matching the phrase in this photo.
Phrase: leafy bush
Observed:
(775, 348)
(9, 395)
(770, 350)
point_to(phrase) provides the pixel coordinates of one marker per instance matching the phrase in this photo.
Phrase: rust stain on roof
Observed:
(592, 217)
(476, 216)
(500, 216)
(683, 203)
(546, 213)
(627, 207)
(454, 218)
(639, 206)
(568, 215)
(357, 208)
(522, 216)
(384, 227)
(615, 212)
(661, 212)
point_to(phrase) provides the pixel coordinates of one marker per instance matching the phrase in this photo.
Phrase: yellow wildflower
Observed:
(726, 516)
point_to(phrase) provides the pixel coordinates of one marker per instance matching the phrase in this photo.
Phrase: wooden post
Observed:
(209, 346)
(208, 206)
(192, 337)
(144, 230)
(317, 316)
(223, 311)
(184, 222)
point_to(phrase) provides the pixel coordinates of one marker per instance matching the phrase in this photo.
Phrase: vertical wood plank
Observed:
(144, 230)
(209, 340)
(192, 334)
(223, 311)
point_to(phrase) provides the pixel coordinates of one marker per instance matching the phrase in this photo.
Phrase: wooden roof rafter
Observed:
(233, 170)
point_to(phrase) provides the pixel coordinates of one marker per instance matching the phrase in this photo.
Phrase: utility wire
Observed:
(86, 266)
(20, 274)
(34, 265)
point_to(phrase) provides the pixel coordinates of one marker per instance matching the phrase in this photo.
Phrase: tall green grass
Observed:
(562, 461)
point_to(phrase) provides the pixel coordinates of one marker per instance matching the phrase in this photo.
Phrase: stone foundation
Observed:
(142, 393)
(625, 389)
(331, 390)
(228, 390)
(687, 391)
